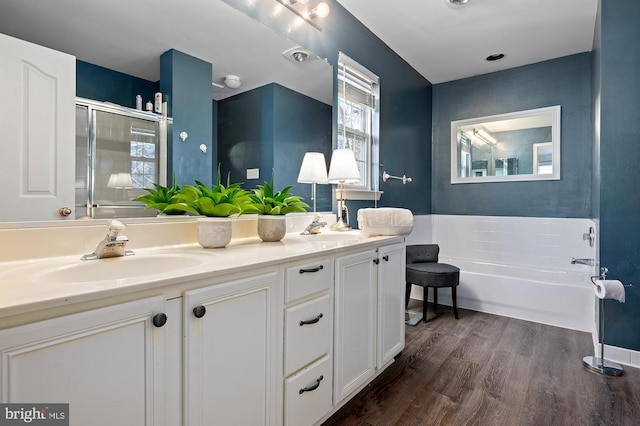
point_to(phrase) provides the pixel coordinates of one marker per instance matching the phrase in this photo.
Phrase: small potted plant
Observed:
(272, 206)
(217, 204)
(161, 198)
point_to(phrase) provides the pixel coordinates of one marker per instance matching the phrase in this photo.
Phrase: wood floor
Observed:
(489, 370)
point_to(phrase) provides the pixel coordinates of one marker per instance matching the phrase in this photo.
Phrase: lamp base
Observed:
(340, 226)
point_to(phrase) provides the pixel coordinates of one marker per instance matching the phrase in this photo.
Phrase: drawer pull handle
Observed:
(316, 269)
(386, 258)
(376, 260)
(199, 311)
(312, 387)
(313, 321)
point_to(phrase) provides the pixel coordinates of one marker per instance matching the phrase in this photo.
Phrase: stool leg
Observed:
(425, 296)
(455, 302)
(435, 299)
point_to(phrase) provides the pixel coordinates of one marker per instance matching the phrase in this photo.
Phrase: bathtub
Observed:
(562, 298)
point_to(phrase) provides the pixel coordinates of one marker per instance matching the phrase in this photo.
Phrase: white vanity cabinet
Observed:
(308, 336)
(369, 319)
(391, 302)
(230, 353)
(108, 364)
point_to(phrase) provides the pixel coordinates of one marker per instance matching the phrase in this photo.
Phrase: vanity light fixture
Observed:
(312, 11)
(484, 136)
(320, 11)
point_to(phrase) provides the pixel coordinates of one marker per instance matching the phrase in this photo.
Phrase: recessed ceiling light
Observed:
(495, 57)
(459, 2)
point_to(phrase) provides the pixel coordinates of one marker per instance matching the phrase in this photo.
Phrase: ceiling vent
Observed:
(297, 54)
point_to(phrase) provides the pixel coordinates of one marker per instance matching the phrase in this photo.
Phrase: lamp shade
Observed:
(343, 168)
(313, 169)
(120, 180)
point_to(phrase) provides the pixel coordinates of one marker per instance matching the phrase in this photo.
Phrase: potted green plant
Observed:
(271, 206)
(216, 203)
(161, 198)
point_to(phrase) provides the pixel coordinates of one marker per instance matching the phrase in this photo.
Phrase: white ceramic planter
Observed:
(271, 228)
(214, 232)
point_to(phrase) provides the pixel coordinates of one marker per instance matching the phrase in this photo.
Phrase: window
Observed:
(143, 157)
(358, 111)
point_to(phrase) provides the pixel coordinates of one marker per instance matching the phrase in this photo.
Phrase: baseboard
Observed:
(616, 354)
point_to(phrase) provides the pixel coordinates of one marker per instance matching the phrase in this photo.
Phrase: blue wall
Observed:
(405, 98)
(564, 81)
(271, 128)
(102, 84)
(185, 82)
(618, 88)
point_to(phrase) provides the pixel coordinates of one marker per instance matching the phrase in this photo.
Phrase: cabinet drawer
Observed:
(308, 394)
(307, 332)
(308, 278)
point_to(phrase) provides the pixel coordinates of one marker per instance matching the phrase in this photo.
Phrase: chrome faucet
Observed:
(314, 227)
(588, 262)
(113, 244)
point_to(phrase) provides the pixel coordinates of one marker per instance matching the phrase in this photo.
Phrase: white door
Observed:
(355, 322)
(37, 124)
(391, 309)
(107, 364)
(230, 365)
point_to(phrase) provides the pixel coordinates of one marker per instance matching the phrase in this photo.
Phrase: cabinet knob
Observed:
(376, 260)
(386, 258)
(311, 321)
(159, 319)
(316, 269)
(312, 387)
(199, 311)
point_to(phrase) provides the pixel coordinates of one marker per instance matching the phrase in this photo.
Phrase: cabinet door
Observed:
(355, 322)
(230, 349)
(37, 118)
(108, 364)
(391, 309)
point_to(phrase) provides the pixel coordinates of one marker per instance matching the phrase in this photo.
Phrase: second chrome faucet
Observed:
(113, 244)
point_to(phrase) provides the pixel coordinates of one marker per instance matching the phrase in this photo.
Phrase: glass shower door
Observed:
(119, 154)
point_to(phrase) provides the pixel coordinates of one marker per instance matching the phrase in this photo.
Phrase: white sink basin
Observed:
(116, 268)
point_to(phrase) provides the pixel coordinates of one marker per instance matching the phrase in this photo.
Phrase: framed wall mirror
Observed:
(517, 146)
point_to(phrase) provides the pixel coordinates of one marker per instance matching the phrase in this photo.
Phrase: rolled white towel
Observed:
(385, 221)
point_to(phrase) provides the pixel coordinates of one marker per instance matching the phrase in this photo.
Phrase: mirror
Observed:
(517, 146)
(129, 37)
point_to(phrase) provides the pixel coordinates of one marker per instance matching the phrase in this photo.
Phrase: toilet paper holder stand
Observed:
(596, 364)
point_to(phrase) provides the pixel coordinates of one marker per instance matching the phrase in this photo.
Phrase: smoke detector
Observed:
(232, 81)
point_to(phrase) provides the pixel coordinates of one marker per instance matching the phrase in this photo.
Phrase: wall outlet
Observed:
(253, 173)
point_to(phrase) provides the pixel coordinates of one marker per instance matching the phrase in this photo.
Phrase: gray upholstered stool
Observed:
(424, 270)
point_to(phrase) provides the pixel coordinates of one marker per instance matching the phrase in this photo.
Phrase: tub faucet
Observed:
(314, 227)
(113, 244)
(588, 262)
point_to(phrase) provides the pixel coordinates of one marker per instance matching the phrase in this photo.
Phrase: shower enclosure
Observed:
(119, 152)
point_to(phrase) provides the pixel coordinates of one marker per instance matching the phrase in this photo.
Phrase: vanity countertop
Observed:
(44, 283)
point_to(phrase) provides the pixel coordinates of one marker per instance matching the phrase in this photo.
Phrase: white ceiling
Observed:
(444, 42)
(130, 35)
(441, 41)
